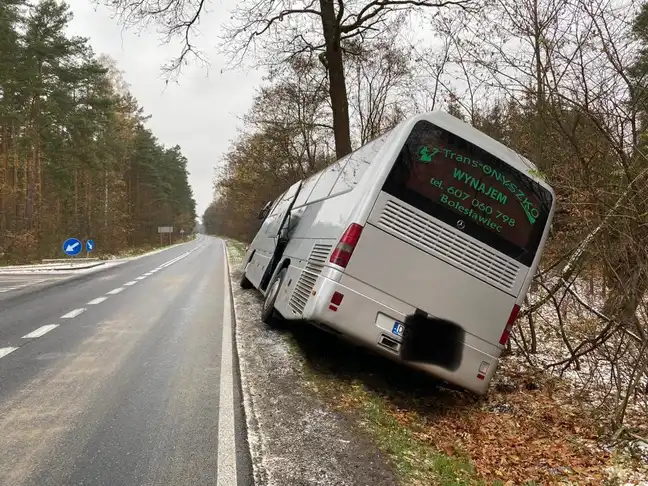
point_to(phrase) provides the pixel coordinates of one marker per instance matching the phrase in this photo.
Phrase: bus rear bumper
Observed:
(366, 321)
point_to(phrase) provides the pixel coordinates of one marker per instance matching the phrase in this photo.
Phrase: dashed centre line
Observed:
(73, 314)
(5, 351)
(96, 301)
(40, 331)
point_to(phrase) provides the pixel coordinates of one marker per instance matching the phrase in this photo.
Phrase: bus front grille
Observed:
(434, 238)
(308, 277)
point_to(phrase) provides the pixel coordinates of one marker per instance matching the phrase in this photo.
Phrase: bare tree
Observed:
(380, 88)
(295, 104)
(287, 28)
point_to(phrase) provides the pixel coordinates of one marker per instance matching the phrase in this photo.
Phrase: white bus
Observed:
(420, 245)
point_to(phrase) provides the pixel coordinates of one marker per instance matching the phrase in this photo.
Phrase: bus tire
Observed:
(243, 281)
(269, 315)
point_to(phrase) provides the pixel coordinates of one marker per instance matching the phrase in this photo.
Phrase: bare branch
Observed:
(381, 7)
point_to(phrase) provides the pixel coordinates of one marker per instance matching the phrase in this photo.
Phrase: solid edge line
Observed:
(41, 331)
(255, 443)
(226, 473)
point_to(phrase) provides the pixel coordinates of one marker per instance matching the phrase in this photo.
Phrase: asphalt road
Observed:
(12, 283)
(124, 377)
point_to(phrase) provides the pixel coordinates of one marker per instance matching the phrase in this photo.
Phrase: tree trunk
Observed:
(627, 291)
(538, 124)
(337, 85)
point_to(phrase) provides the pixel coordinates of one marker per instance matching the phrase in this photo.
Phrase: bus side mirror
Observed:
(264, 212)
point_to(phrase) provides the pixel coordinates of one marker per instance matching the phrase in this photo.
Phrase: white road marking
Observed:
(132, 282)
(73, 314)
(140, 278)
(22, 286)
(115, 291)
(5, 351)
(96, 301)
(226, 470)
(148, 274)
(185, 254)
(40, 331)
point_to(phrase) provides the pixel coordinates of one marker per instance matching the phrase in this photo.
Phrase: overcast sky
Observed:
(200, 113)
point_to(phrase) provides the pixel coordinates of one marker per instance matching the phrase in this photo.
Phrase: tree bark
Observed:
(337, 85)
(627, 291)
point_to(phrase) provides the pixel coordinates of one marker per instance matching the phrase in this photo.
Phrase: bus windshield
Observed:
(463, 185)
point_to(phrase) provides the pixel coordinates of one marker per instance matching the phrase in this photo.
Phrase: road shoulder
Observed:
(294, 436)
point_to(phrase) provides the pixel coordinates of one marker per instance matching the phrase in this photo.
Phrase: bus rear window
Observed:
(470, 189)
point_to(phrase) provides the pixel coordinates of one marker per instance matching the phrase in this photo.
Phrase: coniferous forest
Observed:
(76, 158)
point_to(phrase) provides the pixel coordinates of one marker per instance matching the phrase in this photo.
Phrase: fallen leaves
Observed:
(536, 439)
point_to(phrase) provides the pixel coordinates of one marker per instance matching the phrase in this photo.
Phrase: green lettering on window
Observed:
(532, 213)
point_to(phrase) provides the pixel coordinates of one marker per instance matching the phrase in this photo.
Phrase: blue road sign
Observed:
(89, 245)
(72, 246)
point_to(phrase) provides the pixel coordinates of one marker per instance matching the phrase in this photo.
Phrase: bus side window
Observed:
(359, 161)
(270, 221)
(307, 188)
(276, 204)
(327, 180)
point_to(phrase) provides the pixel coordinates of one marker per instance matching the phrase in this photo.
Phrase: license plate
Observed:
(398, 329)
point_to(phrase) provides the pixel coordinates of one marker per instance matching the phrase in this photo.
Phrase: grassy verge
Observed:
(415, 461)
(526, 435)
(237, 250)
(395, 430)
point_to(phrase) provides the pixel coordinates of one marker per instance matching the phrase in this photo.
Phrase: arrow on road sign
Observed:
(72, 246)
(89, 245)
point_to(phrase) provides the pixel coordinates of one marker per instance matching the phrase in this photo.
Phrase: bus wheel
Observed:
(268, 313)
(243, 281)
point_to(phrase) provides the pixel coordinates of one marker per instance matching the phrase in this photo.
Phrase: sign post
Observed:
(72, 247)
(165, 229)
(89, 247)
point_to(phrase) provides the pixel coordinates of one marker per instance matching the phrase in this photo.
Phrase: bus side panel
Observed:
(326, 219)
(261, 250)
(283, 303)
(257, 266)
(318, 228)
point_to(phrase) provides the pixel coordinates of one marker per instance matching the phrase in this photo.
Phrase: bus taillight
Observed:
(347, 244)
(509, 325)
